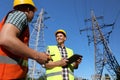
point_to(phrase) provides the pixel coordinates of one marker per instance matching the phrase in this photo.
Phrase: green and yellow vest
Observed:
(56, 73)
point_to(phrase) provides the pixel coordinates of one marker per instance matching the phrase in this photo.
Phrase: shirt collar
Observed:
(59, 46)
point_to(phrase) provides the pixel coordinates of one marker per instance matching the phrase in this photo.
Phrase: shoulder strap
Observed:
(1, 23)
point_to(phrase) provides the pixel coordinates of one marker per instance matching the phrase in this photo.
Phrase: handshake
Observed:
(42, 57)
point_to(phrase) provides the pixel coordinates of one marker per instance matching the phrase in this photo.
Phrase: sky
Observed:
(70, 15)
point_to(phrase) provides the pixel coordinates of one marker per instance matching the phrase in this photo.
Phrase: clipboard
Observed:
(74, 58)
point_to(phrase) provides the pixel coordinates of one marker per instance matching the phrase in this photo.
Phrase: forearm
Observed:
(23, 50)
(9, 40)
(59, 63)
(52, 64)
(15, 46)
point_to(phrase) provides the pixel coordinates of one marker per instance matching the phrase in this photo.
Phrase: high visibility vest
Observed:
(56, 72)
(12, 66)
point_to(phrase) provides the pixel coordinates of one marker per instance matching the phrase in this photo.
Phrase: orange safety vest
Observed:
(12, 66)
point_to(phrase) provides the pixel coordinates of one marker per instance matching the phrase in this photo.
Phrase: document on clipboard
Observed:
(74, 58)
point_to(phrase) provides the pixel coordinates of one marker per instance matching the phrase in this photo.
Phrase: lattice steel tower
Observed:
(37, 43)
(103, 55)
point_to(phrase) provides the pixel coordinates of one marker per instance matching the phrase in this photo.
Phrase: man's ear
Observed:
(65, 38)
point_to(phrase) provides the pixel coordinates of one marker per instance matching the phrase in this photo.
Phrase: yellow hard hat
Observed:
(60, 31)
(20, 2)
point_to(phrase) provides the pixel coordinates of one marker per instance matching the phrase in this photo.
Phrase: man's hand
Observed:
(76, 63)
(63, 62)
(42, 58)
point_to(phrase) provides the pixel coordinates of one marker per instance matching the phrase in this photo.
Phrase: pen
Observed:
(52, 55)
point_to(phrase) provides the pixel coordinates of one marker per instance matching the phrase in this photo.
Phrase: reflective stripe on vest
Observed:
(8, 60)
(57, 73)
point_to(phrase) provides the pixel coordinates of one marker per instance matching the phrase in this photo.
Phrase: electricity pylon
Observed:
(37, 42)
(103, 55)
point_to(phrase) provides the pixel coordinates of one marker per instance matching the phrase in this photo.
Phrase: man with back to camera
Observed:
(14, 36)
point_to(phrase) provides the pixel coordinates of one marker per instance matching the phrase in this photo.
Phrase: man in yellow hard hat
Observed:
(58, 68)
(14, 36)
